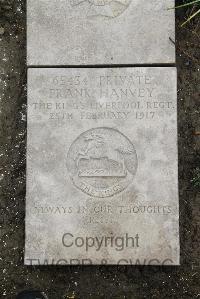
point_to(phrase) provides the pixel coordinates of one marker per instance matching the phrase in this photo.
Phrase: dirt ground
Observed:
(94, 282)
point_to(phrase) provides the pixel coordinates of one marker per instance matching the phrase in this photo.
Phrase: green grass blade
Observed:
(191, 17)
(186, 4)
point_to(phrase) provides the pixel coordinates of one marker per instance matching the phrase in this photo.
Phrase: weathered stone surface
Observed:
(76, 32)
(102, 166)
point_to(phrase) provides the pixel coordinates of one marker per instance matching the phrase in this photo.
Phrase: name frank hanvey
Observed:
(119, 243)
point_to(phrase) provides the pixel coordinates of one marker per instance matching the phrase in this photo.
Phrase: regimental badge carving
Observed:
(102, 162)
(103, 8)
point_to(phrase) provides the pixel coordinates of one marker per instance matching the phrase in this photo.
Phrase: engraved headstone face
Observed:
(102, 166)
(92, 32)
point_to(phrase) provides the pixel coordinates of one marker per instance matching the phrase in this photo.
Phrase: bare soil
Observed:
(94, 282)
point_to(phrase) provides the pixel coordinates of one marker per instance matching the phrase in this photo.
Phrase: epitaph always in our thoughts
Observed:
(102, 166)
(99, 32)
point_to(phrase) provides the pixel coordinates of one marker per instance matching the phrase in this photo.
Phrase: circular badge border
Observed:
(97, 128)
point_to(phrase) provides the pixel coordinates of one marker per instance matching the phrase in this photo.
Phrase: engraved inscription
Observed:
(102, 8)
(102, 162)
(108, 97)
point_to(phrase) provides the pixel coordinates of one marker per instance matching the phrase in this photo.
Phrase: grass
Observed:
(194, 4)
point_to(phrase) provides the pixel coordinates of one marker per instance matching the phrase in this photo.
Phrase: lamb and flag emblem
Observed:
(102, 8)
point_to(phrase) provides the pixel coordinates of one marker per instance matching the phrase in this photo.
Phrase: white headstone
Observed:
(102, 166)
(93, 32)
